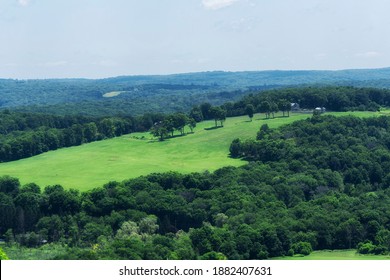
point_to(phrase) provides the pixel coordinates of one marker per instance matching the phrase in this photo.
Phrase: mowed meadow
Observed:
(92, 165)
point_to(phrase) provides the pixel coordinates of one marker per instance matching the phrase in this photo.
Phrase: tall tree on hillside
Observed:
(196, 114)
(191, 124)
(265, 107)
(106, 127)
(284, 106)
(179, 122)
(206, 111)
(169, 124)
(159, 130)
(90, 132)
(222, 116)
(218, 114)
(274, 108)
(288, 108)
(214, 114)
(249, 110)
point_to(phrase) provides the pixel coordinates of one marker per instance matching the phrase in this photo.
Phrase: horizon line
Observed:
(197, 72)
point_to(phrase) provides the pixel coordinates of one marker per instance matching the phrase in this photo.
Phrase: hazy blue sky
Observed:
(103, 38)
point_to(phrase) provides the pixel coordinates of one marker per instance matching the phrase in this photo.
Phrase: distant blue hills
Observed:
(174, 92)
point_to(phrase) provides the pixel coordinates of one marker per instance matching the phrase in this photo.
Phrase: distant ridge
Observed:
(188, 88)
(284, 77)
(332, 75)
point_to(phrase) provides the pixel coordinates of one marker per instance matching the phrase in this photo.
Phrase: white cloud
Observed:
(217, 4)
(24, 3)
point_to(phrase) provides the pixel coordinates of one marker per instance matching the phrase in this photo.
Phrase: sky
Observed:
(107, 38)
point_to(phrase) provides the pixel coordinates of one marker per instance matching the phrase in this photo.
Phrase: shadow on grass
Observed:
(247, 121)
(277, 117)
(177, 136)
(168, 138)
(243, 159)
(212, 128)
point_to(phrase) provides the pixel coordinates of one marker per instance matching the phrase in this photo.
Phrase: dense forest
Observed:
(320, 183)
(138, 102)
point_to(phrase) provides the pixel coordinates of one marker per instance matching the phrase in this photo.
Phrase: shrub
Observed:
(303, 248)
(366, 248)
(290, 253)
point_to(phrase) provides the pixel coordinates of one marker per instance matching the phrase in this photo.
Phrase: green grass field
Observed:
(94, 164)
(336, 255)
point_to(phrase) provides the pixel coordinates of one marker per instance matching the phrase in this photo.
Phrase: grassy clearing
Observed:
(336, 255)
(113, 93)
(94, 164)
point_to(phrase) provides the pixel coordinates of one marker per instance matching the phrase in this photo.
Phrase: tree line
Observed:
(333, 98)
(176, 122)
(269, 102)
(320, 183)
(27, 134)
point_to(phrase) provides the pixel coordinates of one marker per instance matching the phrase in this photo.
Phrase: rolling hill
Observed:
(92, 165)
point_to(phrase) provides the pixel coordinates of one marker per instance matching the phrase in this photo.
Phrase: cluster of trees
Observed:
(320, 183)
(177, 122)
(271, 107)
(171, 123)
(208, 112)
(357, 149)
